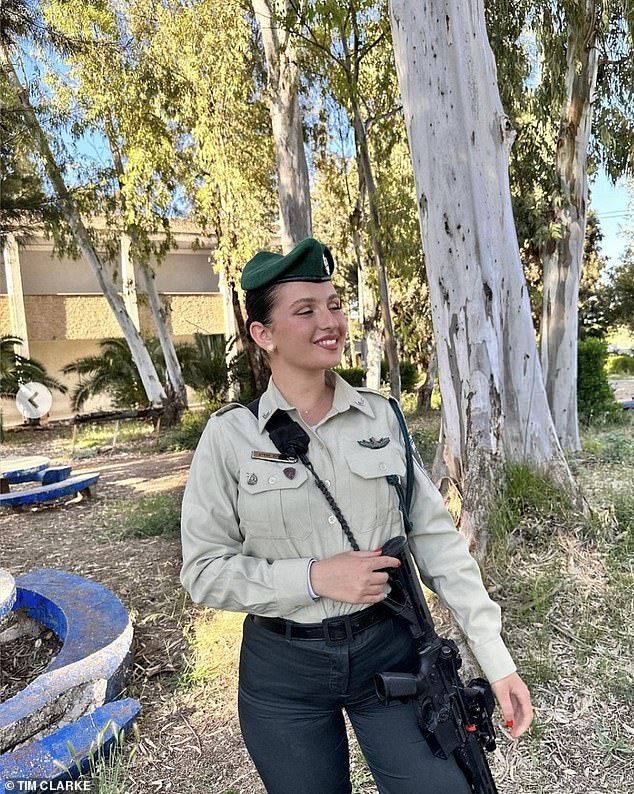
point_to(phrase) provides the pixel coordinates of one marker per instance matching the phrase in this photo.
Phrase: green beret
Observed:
(308, 261)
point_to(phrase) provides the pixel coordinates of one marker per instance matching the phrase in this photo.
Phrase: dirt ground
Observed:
(177, 747)
(188, 739)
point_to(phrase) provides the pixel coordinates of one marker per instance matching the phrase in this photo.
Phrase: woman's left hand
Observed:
(515, 703)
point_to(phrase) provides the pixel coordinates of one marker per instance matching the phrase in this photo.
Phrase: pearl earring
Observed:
(271, 349)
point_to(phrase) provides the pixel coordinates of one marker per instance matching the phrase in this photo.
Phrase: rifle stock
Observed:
(454, 718)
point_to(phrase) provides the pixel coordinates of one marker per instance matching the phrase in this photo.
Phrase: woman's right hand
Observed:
(354, 577)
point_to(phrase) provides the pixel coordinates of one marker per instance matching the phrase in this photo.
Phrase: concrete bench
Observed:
(47, 493)
(54, 474)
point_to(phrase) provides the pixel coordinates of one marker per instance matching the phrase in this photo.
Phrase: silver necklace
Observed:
(312, 408)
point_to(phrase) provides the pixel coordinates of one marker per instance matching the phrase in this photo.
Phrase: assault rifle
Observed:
(454, 718)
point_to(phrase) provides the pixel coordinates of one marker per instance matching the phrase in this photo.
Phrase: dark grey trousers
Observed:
(291, 699)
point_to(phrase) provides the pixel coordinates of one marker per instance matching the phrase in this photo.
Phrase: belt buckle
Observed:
(343, 620)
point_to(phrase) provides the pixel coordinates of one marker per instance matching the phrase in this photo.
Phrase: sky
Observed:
(614, 206)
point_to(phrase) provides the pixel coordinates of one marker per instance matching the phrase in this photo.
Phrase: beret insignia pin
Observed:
(374, 443)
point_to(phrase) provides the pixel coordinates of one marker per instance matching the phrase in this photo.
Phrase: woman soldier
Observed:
(259, 537)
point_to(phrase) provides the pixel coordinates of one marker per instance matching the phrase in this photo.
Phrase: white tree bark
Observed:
(494, 402)
(147, 371)
(563, 258)
(159, 315)
(128, 281)
(15, 293)
(283, 88)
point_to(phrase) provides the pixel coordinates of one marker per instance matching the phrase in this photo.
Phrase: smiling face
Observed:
(307, 328)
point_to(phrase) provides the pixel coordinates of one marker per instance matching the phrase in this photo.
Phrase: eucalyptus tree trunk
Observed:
(145, 366)
(283, 94)
(563, 257)
(172, 364)
(494, 404)
(368, 310)
(366, 175)
(423, 399)
(365, 167)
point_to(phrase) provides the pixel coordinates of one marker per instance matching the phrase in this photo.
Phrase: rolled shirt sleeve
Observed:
(447, 568)
(215, 572)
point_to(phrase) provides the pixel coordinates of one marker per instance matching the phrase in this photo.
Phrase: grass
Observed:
(214, 641)
(90, 436)
(147, 517)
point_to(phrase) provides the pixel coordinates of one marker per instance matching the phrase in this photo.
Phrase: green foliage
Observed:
(595, 399)
(353, 375)
(25, 203)
(409, 374)
(113, 373)
(16, 369)
(621, 291)
(204, 366)
(426, 442)
(523, 492)
(620, 365)
(150, 516)
(186, 434)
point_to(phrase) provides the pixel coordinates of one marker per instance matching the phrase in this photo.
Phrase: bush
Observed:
(409, 374)
(595, 399)
(620, 365)
(188, 431)
(353, 375)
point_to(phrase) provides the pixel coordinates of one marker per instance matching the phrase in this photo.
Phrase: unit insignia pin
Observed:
(290, 472)
(252, 479)
(374, 443)
(326, 266)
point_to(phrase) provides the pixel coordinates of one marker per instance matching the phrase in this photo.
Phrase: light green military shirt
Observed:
(251, 527)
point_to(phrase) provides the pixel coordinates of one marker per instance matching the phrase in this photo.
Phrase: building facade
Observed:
(56, 307)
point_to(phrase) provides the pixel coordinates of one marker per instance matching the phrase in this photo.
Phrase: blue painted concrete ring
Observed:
(7, 593)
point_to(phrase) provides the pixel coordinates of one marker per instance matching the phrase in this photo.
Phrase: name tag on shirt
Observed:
(274, 457)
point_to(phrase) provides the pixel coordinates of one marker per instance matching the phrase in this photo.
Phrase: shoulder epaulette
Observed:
(370, 391)
(228, 407)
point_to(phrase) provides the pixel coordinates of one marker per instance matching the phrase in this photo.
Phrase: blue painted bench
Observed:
(46, 493)
(92, 666)
(54, 474)
(22, 469)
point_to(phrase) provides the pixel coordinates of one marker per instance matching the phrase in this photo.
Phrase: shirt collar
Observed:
(345, 397)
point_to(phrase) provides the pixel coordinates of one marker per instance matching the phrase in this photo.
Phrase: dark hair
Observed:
(259, 304)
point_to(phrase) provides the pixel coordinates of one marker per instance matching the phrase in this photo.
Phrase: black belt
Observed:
(338, 629)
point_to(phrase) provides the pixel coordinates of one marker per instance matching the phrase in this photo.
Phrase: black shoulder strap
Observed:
(406, 498)
(289, 437)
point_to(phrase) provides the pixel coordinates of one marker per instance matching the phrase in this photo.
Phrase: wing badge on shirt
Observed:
(374, 443)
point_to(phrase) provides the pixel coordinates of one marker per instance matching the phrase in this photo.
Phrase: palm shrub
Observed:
(204, 366)
(16, 369)
(113, 372)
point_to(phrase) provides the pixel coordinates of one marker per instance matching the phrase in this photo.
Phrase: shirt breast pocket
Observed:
(373, 498)
(273, 500)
